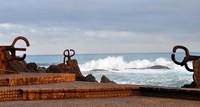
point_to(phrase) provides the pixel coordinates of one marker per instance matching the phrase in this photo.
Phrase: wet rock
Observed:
(90, 78)
(104, 79)
(82, 78)
(192, 85)
(74, 68)
(115, 70)
(32, 67)
(18, 66)
(158, 67)
(153, 67)
(53, 69)
(63, 67)
(41, 69)
(71, 67)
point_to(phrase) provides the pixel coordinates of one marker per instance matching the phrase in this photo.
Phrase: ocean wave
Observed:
(118, 63)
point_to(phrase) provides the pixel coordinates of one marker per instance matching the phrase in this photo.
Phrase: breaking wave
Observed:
(111, 63)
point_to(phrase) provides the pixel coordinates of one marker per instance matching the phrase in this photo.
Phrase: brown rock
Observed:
(53, 69)
(19, 66)
(158, 67)
(73, 64)
(41, 69)
(63, 67)
(104, 79)
(192, 85)
(71, 67)
(32, 67)
(90, 78)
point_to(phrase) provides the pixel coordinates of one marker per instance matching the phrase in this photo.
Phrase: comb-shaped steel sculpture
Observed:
(13, 50)
(8, 53)
(186, 59)
(67, 53)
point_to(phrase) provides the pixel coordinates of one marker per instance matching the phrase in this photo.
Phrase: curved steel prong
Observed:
(68, 55)
(186, 67)
(22, 38)
(20, 58)
(184, 61)
(13, 49)
(174, 60)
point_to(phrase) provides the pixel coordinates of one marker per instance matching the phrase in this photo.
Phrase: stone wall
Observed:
(56, 78)
(47, 94)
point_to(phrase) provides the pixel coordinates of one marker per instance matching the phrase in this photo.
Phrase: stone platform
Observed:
(49, 86)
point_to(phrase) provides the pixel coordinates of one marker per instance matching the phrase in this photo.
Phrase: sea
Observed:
(127, 68)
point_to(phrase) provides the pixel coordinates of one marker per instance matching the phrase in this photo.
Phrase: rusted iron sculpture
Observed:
(186, 59)
(67, 53)
(12, 50)
(71, 65)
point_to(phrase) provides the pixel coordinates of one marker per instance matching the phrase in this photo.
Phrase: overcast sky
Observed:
(101, 26)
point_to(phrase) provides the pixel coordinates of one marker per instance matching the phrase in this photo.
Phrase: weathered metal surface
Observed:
(13, 50)
(186, 59)
(67, 53)
(8, 53)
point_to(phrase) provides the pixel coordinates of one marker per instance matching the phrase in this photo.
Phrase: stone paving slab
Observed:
(76, 84)
(132, 101)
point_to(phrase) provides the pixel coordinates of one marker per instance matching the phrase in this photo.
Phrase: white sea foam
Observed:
(111, 63)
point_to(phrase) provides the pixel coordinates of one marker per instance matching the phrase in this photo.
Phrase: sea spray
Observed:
(118, 63)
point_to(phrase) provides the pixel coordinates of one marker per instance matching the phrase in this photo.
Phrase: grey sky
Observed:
(101, 26)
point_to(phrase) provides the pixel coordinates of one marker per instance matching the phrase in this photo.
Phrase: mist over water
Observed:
(127, 68)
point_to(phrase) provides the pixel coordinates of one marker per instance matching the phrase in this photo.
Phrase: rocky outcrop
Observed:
(71, 67)
(158, 67)
(63, 67)
(153, 67)
(53, 69)
(74, 68)
(192, 85)
(18, 66)
(32, 67)
(41, 69)
(90, 78)
(104, 79)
